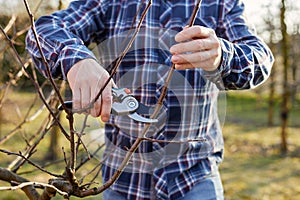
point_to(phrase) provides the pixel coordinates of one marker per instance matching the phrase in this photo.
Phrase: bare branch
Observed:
(48, 164)
(175, 142)
(9, 25)
(80, 134)
(30, 162)
(35, 184)
(10, 177)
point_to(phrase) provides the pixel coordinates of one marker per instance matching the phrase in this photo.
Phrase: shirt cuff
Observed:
(72, 54)
(217, 76)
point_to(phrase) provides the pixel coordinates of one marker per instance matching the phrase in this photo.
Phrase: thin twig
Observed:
(85, 160)
(98, 166)
(30, 162)
(79, 136)
(34, 184)
(175, 142)
(9, 25)
(49, 164)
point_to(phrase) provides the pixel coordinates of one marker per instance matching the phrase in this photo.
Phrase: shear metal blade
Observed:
(139, 118)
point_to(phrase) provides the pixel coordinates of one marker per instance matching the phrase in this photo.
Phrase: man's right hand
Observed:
(86, 78)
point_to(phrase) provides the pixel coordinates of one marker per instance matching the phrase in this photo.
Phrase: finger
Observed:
(192, 33)
(76, 98)
(192, 46)
(85, 99)
(195, 57)
(96, 110)
(205, 65)
(106, 98)
(113, 84)
(184, 66)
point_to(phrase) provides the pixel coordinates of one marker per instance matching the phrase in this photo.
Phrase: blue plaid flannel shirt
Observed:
(157, 170)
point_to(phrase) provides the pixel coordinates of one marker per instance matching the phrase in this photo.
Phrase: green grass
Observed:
(253, 168)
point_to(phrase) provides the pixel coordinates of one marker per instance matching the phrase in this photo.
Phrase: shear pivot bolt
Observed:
(131, 104)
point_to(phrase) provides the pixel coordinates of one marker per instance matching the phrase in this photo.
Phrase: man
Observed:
(219, 52)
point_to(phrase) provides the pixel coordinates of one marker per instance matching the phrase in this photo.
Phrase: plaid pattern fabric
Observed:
(189, 112)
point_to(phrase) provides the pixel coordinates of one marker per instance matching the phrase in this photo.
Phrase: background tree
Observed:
(286, 90)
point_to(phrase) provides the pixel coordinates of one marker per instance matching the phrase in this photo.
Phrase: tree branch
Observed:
(35, 184)
(30, 162)
(10, 177)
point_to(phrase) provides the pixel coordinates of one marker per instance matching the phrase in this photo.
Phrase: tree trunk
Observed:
(60, 5)
(294, 54)
(271, 101)
(285, 105)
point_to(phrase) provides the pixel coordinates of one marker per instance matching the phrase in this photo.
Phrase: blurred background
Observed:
(261, 129)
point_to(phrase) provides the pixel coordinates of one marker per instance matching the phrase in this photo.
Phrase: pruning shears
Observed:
(124, 104)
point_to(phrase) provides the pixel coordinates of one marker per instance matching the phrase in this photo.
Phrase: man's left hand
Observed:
(198, 47)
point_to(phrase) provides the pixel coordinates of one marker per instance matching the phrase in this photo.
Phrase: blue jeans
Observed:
(209, 188)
